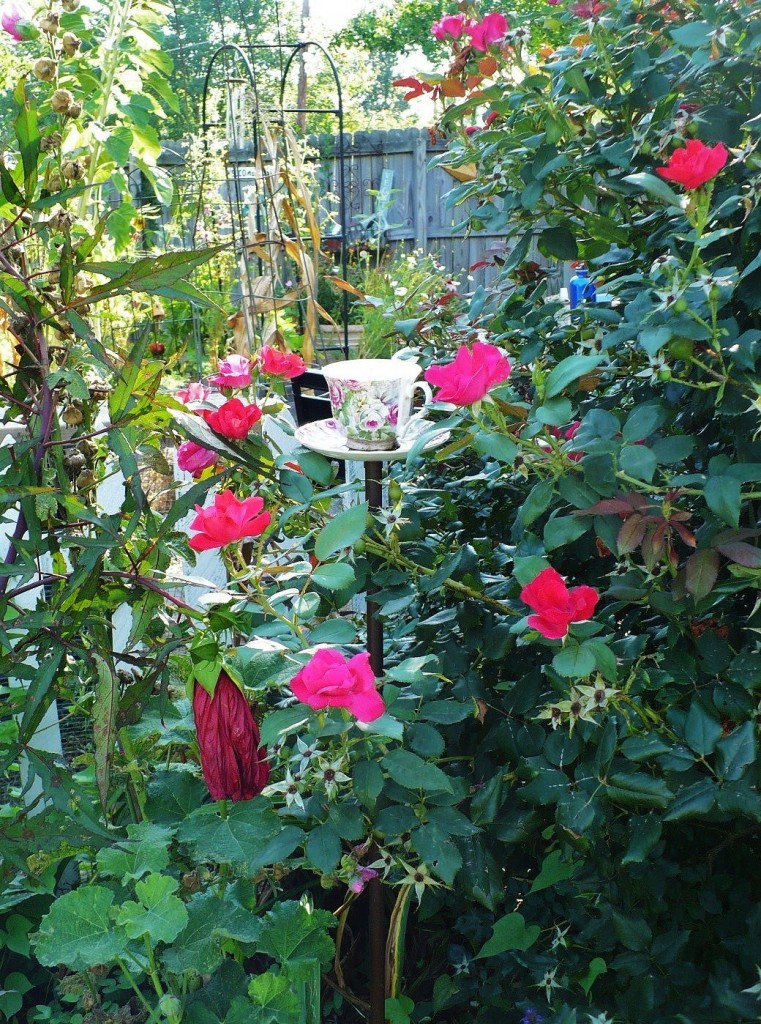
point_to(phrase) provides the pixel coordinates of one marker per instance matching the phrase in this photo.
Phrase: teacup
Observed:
(372, 400)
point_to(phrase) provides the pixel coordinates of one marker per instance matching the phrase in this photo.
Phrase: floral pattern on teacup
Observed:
(366, 410)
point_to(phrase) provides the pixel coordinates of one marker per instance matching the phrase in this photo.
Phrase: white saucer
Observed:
(328, 438)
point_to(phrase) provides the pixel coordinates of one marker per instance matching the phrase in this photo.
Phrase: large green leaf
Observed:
(510, 932)
(568, 371)
(251, 835)
(413, 772)
(291, 933)
(146, 850)
(275, 1000)
(160, 914)
(77, 930)
(341, 532)
(150, 274)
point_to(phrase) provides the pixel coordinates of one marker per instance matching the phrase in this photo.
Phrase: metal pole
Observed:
(374, 495)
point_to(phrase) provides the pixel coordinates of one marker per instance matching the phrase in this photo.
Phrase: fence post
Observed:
(420, 179)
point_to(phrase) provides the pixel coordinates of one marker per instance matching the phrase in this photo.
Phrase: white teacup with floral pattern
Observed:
(372, 400)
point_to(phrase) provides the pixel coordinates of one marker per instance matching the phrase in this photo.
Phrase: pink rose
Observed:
(234, 419)
(194, 392)
(557, 606)
(330, 681)
(16, 20)
(280, 364)
(192, 458)
(227, 520)
(694, 164)
(473, 372)
(491, 29)
(233, 372)
(453, 26)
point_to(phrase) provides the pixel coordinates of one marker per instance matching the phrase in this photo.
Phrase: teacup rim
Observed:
(367, 370)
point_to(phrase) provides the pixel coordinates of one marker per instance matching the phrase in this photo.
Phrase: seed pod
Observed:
(85, 480)
(72, 169)
(70, 5)
(54, 277)
(74, 461)
(70, 43)
(61, 101)
(50, 23)
(74, 110)
(52, 141)
(44, 69)
(61, 220)
(72, 416)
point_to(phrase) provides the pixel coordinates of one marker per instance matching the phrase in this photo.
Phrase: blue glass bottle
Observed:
(581, 288)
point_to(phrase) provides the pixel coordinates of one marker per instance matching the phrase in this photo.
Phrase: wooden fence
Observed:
(419, 214)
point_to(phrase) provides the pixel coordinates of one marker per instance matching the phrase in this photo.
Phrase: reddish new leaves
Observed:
(556, 605)
(234, 765)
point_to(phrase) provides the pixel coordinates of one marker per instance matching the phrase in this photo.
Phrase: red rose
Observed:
(330, 681)
(473, 372)
(192, 458)
(490, 29)
(280, 364)
(557, 606)
(233, 764)
(227, 520)
(694, 164)
(234, 419)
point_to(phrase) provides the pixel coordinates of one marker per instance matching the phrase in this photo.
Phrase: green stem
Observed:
(133, 771)
(133, 984)
(154, 971)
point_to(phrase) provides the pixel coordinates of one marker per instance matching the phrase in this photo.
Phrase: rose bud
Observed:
(234, 765)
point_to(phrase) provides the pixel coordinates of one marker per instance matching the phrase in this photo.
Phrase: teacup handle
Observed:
(422, 413)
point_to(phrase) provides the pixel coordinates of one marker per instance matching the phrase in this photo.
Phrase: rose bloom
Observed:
(12, 14)
(233, 764)
(473, 373)
(280, 364)
(490, 29)
(557, 606)
(194, 392)
(233, 372)
(192, 458)
(588, 9)
(453, 26)
(227, 520)
(330, 681)
(694, 164)
(234, 419)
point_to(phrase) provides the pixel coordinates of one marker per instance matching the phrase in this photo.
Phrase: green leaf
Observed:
(700, 572)
(9, 187)
(735, 752)
(561, 530)
(554, 869)
(701, 731)
(644, 833)
(118, 144)
(147, 850)
(173, 793)
(446, 712)
(694, 34)
(341, 532)
(413, 772)
(536, 501)
(437, 851)
(28, 135)
(77, 930)
(292, 934)
(637, 789)
(559, 242)
(656, 187)
(105, 707)
(639, 461)
(160, 914)
(693, 801)
(280, 723)
(597, 966)
(723, 497)
(323, 848)
(574, 661)
(149, 274)
(275, 998)
(334, 576)
(567, 371)
(367, 783)
(251, 835)
(496, 446)
(509, 932)
(196, 948)
(643, 420)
